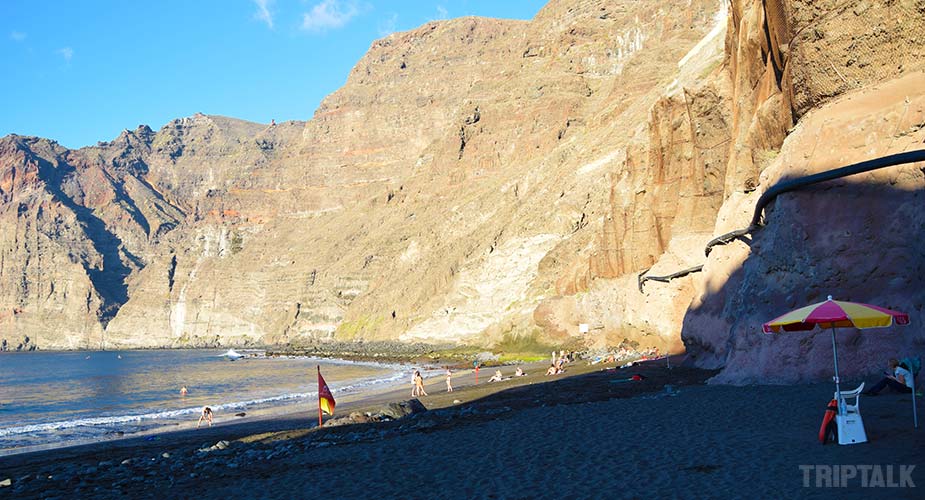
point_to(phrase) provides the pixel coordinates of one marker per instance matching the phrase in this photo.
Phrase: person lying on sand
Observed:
(552, 370)
(206, 414)
(497, 377)
(519, 372)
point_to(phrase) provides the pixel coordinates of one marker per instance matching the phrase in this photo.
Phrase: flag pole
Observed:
(319, 394)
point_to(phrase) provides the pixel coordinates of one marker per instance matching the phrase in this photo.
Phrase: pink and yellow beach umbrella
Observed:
(833, 314)
(836, 313)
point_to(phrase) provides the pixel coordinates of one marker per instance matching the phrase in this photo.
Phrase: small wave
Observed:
(173, 414)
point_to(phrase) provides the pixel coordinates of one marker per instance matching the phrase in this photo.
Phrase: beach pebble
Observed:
(165, 455)
(456, 401)
(127, 461)
(6, 482)
(105, 463)
(221, 445)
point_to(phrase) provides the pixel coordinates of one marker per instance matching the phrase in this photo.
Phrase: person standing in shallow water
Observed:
(449, 384)
(183, 391)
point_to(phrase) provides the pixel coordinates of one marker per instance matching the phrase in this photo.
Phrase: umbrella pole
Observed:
(835, 352)
(915, 414)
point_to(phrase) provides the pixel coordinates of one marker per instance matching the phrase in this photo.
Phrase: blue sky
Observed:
(81, 71)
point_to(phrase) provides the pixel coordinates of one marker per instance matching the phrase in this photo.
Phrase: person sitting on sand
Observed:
(206, 414)
(900, 381)
(519, 372)
(449, 384)
(496, 377)
(558, 365)
(552, 370)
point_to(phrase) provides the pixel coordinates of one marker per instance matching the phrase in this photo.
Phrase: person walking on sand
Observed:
(419, 383)
(414, 384)
(449, 384)
(207, 415)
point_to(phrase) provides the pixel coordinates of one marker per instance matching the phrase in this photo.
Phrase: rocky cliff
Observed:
(802, 89)
(479, 178)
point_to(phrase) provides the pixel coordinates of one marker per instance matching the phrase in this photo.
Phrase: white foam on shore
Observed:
(174, 414)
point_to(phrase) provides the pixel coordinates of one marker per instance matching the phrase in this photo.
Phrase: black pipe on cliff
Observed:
(771, 194)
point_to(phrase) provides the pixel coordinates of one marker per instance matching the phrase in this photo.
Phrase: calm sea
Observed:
(62, 397)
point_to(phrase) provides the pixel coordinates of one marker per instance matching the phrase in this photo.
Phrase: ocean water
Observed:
(61, 397)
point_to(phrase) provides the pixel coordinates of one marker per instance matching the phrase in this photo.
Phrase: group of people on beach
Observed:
(498, 377)
(558, 363)
(417, 380)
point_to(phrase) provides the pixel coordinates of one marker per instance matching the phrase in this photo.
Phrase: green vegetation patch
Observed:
(351, 330)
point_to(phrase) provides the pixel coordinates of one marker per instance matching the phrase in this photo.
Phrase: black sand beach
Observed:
(588, 434)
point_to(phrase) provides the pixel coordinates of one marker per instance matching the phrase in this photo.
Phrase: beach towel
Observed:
(635, 378)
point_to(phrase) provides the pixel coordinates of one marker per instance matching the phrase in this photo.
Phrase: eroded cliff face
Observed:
(477, 178)
(855, 238)
(785, 63)
(851, 76)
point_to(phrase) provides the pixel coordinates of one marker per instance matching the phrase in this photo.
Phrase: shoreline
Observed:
(589, 433)
(372, 351)
(375, 393)
(154, 421)
(293, 417)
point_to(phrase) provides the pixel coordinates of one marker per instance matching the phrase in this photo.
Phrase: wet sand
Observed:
(589, 434)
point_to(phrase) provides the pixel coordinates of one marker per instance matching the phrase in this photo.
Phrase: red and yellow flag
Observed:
(325, 398)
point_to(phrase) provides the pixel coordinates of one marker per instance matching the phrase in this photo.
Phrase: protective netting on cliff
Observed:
(840, 46)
